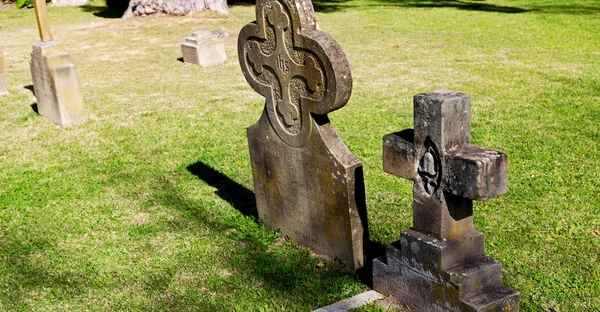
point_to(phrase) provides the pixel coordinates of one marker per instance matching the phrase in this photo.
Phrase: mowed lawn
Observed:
(146, 206)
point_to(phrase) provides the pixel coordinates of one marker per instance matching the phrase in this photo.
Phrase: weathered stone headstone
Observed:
(440, 264)
(203, 48)
(306, 181)
(55, 80)
(3, 80)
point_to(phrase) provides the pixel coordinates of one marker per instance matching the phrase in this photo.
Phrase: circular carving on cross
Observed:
(298, 69)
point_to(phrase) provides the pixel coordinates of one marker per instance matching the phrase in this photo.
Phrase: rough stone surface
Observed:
(172, 7)
(306, 181)
(204, 48)
(69, 2)
(56, 84)
(440, 264)
(3, 80)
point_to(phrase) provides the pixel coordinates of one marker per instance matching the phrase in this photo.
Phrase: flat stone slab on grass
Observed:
(352, 303)
(307, 183)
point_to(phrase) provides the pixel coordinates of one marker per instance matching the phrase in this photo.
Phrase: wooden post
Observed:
(41, 14)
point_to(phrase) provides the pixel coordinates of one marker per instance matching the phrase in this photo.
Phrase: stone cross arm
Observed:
(466, 170)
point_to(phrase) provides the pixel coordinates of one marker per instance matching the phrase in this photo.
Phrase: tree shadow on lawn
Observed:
(28, 274)
(329, 6)
(479, 5)
(325, 6)
(104, 11)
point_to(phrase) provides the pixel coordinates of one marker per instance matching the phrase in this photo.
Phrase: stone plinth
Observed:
(56, 84)
(203, 48)
(3, 80)
(440, 263)
(307, 183)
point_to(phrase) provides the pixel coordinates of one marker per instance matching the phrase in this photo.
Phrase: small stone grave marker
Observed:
(3, 80)
(55, 80)
(306, 181)
(440, 264)
(204, 48)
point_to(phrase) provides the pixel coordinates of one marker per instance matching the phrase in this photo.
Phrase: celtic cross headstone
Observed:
(306, 181)
(440, 264)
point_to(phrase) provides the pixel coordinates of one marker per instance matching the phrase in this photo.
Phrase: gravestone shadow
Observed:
(34, 106)
(282, 273)
(30, 88)
(229, 190)
(243, 200)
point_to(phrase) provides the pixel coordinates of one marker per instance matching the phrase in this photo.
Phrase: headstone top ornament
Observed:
(297, 68)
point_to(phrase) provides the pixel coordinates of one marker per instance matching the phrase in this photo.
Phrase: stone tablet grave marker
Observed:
(203, 48)
(3, 80)
(440, 263)
(306, 181)
(55, 80)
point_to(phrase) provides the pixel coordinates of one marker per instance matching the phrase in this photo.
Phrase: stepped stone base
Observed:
(56, 84)
(426, 274)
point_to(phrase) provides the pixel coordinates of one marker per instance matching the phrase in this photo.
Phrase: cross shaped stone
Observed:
(293, 65)
(448, 172)
(42, 20)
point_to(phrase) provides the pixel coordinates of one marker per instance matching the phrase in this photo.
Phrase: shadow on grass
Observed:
(244, 201)
(283, 269)
(104, 11)
(232, 192)
(325, 6)
(457, 4)
(21, 261)
(573, 9)
(329, 6)
(30, 88)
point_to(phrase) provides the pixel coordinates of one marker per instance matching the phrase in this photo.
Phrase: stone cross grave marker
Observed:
(306, 181)
(55, 80)
(3, 80)
(440, 264)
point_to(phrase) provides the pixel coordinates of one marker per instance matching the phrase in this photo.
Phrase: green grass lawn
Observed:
(145, 206)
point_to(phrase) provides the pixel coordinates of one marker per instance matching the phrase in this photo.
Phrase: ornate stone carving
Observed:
(307, 183)
(294, 66)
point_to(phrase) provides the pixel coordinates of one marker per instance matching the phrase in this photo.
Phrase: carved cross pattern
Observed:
(448, 172)
(282, 64)
(289, 62)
